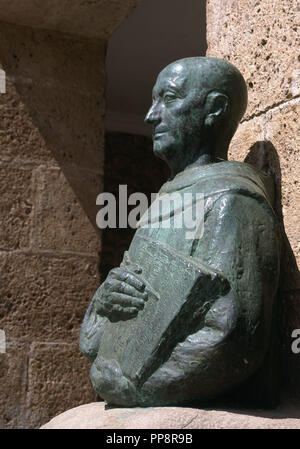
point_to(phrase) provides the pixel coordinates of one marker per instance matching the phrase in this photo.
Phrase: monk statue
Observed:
(186, 319)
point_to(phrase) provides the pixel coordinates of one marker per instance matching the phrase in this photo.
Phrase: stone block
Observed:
(44, 297)
(260, 38)
(70, 122)
(86, 185)
(52, 59)
(249, 135)
(60, 221)
(91, 19)
(13, 384)
(58, 378)
(16, 207)
(60, 81)
(20, 139)
(95, 416)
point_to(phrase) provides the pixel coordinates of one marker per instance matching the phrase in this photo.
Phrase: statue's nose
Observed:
(153, 115)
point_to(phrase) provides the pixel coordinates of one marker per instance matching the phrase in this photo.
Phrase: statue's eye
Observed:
(169, 97)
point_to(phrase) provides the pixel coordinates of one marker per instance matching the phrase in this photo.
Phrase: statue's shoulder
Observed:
(234, 177)
(235, 170)
(227, 176)
(240, 169)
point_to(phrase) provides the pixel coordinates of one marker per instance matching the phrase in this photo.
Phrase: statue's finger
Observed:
(127, 277)
(116, 286)
(126, 300)
(121, 313)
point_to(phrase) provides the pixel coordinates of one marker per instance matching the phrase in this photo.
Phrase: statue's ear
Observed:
(217, 105)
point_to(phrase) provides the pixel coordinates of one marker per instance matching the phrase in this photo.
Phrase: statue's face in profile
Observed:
(176, 114)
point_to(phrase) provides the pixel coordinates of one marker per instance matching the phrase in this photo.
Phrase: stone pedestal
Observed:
(95, 416)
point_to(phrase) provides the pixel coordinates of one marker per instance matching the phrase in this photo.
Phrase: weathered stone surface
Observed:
(93, 19)
(13, 384)
(260, 38)
(60, 91)
(43, 298)
(87, 185)
(60, 223)
(16, 207)
(70, 122)
(57, 379)
(248, 135)
(60, 82)
(94, 416)
(23, 47)
(20, 139)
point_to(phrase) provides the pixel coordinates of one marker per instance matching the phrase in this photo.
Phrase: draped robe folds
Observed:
(207, 324)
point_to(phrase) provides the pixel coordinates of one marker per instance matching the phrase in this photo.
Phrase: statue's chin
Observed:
(158, 153)
(161, 151)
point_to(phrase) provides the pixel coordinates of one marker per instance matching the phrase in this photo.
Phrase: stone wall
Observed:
(51, 164)
(260, 38)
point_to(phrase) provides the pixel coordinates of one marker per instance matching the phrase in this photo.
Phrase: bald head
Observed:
(197, 105)
(205, 74)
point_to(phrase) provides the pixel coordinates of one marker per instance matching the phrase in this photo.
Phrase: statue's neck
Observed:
(204, 159)
(192, 160)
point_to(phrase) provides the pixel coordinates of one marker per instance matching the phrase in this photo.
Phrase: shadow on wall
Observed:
(263, 156)
(60, 82)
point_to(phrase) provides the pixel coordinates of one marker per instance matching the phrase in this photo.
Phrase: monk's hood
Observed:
(223, 176)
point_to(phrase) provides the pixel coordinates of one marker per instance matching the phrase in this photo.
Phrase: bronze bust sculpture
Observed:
(186, 320)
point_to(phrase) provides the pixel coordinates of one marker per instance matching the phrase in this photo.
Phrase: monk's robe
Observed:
(206, 326)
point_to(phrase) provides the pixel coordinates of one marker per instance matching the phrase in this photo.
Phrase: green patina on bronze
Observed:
(187, 320)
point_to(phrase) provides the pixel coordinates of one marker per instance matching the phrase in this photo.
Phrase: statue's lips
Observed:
(159, 133)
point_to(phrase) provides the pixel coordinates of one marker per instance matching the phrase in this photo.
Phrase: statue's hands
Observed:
(110, 383)
(122, 295)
